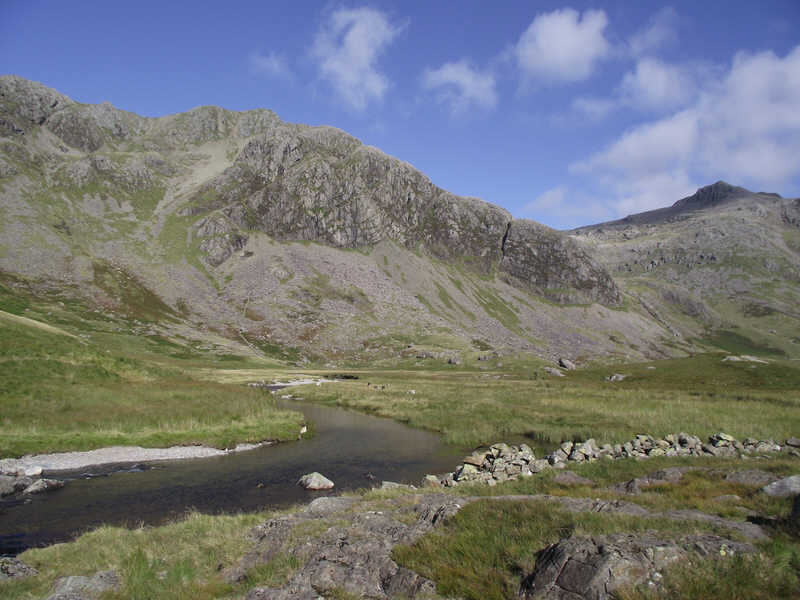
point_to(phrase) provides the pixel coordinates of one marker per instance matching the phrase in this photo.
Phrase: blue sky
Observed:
(564, 113)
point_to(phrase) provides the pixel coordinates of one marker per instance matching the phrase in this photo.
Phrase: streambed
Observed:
(346, 447)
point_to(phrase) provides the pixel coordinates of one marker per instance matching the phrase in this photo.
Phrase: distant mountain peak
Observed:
(712, 195)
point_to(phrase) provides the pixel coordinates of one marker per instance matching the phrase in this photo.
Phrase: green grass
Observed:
(699, 395)
(733, 342)
(62, 393)
(177, 561)
(488, 547)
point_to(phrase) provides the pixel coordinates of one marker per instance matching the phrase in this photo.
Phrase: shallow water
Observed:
(346, 447)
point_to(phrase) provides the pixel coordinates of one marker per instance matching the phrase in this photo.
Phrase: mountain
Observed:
(722, 263)
(238, 232)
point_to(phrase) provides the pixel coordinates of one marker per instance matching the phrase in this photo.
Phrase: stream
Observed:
(346, 447)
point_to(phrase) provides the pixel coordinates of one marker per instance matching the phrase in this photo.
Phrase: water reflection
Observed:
(346, 447)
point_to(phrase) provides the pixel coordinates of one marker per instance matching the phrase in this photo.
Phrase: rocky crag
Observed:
(724, 260)
(239, 231)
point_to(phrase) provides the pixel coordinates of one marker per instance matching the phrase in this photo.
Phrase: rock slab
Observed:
(789, 486)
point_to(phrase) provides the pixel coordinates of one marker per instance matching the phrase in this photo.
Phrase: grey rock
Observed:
(594, 568)
(553, 371)
(78, 586)
(43, 485)
(11, 568)
(329, 505)
(750, 531)
(7, 485)
(754, 477)
(315, 481)
(567, 364)
(660, 477)
(393, 485)
(431, 481)
(616, 377)
(793, 442)
(789, 486)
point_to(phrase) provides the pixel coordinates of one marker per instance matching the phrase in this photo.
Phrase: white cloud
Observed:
(743, 127)
(655, 190)
(654, 84)
(562, 46)
(547, 201)
(564, 207)
(272, 64)
(460, 86)
(347, 50)
(659, 31)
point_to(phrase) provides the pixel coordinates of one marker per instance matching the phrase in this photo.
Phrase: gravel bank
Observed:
(67, 461)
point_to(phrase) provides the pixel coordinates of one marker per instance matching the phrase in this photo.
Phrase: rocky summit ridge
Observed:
(238, 230)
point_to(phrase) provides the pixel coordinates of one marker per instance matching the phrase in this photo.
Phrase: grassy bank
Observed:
(482, 553)
(701, 395)
(60, 391)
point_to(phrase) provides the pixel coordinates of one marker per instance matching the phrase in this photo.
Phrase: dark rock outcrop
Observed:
(549, 263)
(594, 568)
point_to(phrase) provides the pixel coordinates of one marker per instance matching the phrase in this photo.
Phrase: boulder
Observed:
(43, 485)
(553, 371)
(315, 481)
(567, 364)
(754, 477)
(616, 377)
(789, 486)
(431, 481)
(14, 568)
(793, 442)
(594, 568)
(34, 471)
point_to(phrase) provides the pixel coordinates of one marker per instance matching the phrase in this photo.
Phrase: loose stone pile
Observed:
(501, 462)
(28, 481)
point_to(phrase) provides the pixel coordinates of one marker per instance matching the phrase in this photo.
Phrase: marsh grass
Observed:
(700, 395)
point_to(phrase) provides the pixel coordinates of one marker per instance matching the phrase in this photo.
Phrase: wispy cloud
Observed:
(659, 31)
(562, 46)
(272, 64)
(347, 49)
(565, 207)
(461, 86)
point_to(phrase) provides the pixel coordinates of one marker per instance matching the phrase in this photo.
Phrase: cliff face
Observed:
(299, 183)
(319, 184)
(268, 234)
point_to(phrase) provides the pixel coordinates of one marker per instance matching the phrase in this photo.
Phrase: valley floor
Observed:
(82, 391)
